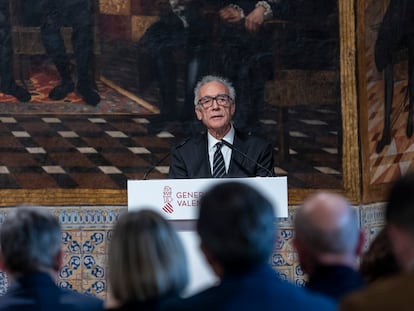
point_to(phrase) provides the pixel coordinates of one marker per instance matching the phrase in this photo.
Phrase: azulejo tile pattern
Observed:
(86, 233)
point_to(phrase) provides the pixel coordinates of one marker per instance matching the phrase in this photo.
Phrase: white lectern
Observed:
(177, 200)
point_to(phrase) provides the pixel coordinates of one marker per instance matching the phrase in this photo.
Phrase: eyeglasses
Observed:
(223, 100)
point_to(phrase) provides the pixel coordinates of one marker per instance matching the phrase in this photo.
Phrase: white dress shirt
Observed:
(226, 151)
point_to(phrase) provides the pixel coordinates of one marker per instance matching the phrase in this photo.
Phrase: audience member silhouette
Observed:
(31, 255)
(328, 241)
(7, 82)
(147, 263)
(236, 229)
(78, 15)
(378, 261)
(393, 293)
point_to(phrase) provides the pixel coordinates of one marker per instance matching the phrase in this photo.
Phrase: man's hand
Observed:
(231, 15)
(255, 19)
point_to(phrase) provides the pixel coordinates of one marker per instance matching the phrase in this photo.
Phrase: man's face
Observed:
(216, 118)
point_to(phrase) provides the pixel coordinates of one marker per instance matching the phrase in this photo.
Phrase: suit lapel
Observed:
(237, 160)
(204, 169)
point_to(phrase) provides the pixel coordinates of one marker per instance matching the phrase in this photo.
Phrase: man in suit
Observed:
(215, 107)
(31, 255)
(7, 83)
(394, 293)
(328, 241)
(236, 228)
(77, 14)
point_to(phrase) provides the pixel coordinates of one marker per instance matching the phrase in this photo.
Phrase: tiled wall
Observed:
(87, 233)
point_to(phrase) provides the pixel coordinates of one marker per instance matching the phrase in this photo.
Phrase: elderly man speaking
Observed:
(223, 151)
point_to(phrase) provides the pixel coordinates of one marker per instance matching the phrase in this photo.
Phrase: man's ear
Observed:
(2, 264)
(58, 260)
(215, 266)
(361, 242)
(233, 109)
(198, 114)
(305, 258)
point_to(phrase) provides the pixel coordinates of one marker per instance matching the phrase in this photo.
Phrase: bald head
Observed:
(327, 224)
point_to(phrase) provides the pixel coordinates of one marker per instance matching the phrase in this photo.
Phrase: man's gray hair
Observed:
(211, 78)
(30, 239)
(340, 239)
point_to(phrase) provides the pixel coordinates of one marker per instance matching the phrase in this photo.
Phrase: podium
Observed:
(177, 200)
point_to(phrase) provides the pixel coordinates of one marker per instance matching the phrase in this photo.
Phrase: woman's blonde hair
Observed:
(146, 258)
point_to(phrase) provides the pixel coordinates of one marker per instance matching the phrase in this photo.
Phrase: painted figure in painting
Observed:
(396, 33)
(8, 84)
(77, 14)
(244, 55)
(182, 27)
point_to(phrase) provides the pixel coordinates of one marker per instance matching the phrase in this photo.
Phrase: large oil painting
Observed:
(94, 93)
(387, 103)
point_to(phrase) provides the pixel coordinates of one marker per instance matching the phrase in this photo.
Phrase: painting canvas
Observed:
(72, 150)
(386, 103)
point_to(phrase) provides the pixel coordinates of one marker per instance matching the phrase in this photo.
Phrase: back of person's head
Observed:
(400, 206)
(236, 226)
(30, 240)
(379, 261)
(146, 258)
(327, 224)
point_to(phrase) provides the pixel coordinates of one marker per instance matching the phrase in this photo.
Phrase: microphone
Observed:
(149, 171)
(232, 147)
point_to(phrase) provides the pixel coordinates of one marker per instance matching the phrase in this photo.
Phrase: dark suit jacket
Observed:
(37, 291)
(191, 159)
(395, 293)
(335, 281)
(258, 289)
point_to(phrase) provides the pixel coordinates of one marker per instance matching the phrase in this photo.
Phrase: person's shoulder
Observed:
(208, 299)
(384, 294)
(249, 138)
(299, 298)
(81, 301)
(191, 141)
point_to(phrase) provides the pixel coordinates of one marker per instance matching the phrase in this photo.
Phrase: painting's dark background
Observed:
(302, 115)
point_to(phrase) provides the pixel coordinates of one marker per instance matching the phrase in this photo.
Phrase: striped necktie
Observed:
(219, 168)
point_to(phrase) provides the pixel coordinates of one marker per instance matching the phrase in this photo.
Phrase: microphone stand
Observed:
(232, 147)
(149, 171)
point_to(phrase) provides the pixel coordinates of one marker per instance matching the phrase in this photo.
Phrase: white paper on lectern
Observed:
(177, 199)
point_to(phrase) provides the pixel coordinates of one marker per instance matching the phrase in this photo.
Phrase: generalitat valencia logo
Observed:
(167, 194)
(182, 199)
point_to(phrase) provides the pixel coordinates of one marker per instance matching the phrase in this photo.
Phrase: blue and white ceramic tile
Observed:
(87, 231)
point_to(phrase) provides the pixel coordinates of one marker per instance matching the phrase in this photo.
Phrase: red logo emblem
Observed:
(168, 208)
(167, 195)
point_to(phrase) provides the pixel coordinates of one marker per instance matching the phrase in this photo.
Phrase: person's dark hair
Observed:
(400, 206)
(30, 239)
(146, 258)
(236, 225)
(379, 260)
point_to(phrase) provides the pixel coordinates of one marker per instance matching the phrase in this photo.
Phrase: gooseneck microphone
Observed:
(232, 147)
(152, 167)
